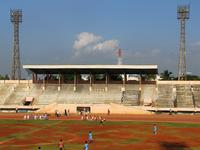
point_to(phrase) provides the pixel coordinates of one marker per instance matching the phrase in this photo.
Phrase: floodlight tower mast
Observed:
(16, 18)
(182, 15)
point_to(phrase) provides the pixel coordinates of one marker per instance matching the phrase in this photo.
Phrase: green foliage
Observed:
(166, 75)
(193, 77)
(116, 77)
(69, 77)
(99, 77)
(6, 77)
(148, 77)
(183, 125)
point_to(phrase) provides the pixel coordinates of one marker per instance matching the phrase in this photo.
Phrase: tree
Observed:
(116, 77)
(148, 77)
(6, 77)
(166, 75)
(193, 77)
(99, 77)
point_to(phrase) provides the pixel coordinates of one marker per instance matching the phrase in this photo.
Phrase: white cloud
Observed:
(87, 42)
(106, 45)
(84, 39)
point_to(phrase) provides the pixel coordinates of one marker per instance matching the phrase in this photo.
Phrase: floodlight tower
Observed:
(119, 56)
(16, 18)
(183, 13)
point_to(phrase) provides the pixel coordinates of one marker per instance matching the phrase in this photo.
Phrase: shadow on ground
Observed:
(173, 146)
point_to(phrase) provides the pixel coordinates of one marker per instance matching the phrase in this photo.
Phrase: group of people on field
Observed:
(90, 139)
(92, 117)
(58, 113)
(86, 144)
(36, 117)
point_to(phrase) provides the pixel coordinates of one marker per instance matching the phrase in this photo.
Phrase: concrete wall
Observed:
(15, 81)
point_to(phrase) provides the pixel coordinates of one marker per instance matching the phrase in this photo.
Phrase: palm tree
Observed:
(166, 75)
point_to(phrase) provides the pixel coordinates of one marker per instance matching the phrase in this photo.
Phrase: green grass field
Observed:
(115, 135)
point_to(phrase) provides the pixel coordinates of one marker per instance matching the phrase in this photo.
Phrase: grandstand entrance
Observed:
(81, 109)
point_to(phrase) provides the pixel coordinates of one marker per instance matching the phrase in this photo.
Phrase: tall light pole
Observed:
(16, 18)
(183, 12)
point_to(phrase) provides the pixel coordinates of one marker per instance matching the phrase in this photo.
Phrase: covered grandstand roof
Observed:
(55, 69)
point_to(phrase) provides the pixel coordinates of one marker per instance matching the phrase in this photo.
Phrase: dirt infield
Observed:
(118, 133)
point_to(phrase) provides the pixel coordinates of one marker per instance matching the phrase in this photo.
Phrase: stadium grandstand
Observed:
(98, 88)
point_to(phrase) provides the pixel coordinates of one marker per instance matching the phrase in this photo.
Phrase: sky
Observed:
(90, 32)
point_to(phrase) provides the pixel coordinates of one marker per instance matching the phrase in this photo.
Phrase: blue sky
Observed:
(89, 31)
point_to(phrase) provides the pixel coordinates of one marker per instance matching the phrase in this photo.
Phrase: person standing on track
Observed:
(108, 111)
(61, 144)
(155, 129)
(90, 139)
(86, 146)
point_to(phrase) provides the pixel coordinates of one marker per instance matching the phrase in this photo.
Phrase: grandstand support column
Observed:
(75, 81)
(59, 84)
(124, 80)
(34, 76)
(106, 87)
(90, 88)
(43, 87)
(140, 89)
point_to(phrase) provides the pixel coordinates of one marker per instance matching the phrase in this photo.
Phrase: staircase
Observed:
(184, 97)
(165, 96)
(196, 95)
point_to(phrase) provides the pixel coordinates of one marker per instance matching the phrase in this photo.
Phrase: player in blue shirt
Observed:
(90, 139)
(155, 129)
(86, 146)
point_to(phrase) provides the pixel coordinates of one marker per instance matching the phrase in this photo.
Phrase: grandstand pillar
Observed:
(78, 78)
(90, 88)
(28, 82)
(75, 81)
(106, 87)
(140, 82)
(59, 84)
(43, 87)
(34, 76)
(124, 82)
(140, 89)
(61, 78)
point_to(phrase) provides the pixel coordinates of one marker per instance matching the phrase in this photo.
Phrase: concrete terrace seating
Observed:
(131, 97)
(148, 93)
(5, 91)
(19, 92)
(196, 95)
(184, 97)
(48, 96)
(165, 96)
(84, 96)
